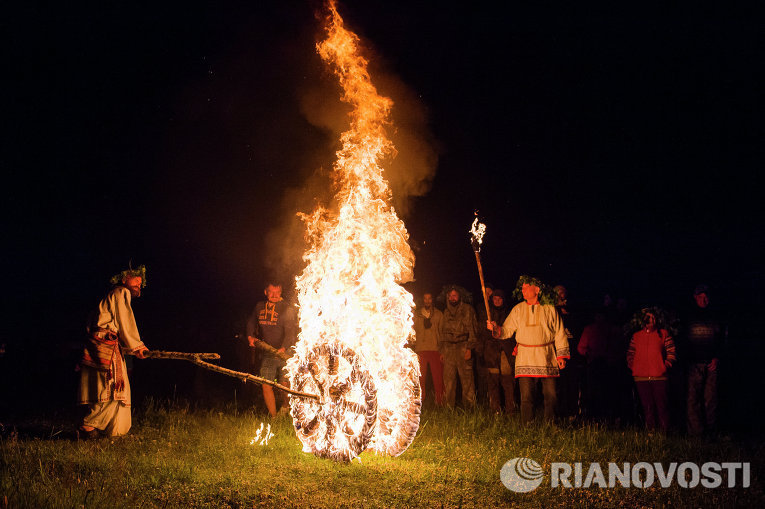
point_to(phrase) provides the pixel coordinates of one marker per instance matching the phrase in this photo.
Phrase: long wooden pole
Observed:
(196, 358)
(483, 286)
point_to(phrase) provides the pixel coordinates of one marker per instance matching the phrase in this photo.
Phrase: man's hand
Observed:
(141, 354)
(252, 340)
(712, 366)
(561, 363)
(468, 354)
(496, 330)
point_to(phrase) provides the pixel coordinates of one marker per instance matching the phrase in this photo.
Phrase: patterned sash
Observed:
(99, 353)
(537, 346)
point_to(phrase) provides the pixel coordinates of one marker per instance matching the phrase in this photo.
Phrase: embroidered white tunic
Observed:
(541, 339)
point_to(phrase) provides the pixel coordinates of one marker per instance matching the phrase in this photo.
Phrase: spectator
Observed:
(703, 336)
(650, 355)
(427, 320)
(594, 346)
(499, 359)
(479, 361)
(458, 338)
(570, 380)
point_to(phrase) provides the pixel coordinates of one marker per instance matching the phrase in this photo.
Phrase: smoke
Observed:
(286, 242)
(409, 171)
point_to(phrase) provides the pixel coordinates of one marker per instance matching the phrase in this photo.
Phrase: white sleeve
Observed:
(128, 330)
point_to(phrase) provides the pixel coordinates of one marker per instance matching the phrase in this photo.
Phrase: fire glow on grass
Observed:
(355, 318)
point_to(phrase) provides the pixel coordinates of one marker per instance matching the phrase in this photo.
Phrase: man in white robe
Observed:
(542, 347)
(112, 333)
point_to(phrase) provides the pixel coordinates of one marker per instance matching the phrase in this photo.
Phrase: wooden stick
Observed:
(262, 345)
(483, 287)
(160, 354)
(196, 358)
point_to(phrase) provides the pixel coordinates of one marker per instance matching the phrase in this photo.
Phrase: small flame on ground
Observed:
(262, 435)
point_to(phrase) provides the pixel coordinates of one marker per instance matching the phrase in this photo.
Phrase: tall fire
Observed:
(355, 318)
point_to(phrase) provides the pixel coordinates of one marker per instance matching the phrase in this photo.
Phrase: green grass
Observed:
(175, 457)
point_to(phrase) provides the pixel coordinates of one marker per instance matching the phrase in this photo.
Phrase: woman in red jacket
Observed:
(650, 354)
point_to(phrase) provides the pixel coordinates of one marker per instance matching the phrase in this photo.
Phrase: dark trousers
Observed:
(702, 399)
(653, 397)
(507, 382)
(599, 384)
(549, 391)
(570, 389)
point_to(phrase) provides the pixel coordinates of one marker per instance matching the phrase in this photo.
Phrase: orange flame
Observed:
(355, 318)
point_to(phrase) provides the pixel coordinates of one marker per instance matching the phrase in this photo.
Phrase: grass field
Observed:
(178, 457)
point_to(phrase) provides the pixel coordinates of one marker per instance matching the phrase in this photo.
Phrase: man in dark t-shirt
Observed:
(274, 322)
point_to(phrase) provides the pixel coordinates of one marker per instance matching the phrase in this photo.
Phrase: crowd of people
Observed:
(611, 367)
(506, 357)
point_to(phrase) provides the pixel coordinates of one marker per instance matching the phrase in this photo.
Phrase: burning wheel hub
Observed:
(341, 425)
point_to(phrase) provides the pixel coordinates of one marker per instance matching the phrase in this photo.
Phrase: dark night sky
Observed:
(610, 149)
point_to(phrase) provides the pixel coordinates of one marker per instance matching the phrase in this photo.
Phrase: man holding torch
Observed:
(542, 346)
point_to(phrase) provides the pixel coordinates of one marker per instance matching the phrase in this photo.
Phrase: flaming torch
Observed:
(477, 231)
(355, 318)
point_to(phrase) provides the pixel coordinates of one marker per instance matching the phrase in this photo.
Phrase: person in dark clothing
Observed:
(458, 331)
(273, 321)
(571, 379)
(480, 368)
(703, 336)
(498, 357)
(595, 346)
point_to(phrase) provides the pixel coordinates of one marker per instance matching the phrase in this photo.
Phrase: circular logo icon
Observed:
(521, 475)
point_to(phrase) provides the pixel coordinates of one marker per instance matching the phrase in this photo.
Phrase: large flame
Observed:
(355, 318)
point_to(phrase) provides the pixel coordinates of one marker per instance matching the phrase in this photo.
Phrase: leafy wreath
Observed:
(546, 294)
(139, 271)
(664, 320)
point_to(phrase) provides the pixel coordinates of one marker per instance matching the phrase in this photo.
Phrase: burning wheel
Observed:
(341, 425)
(397, 427)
